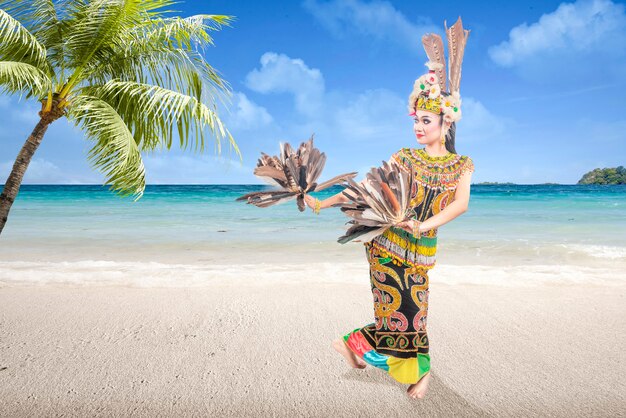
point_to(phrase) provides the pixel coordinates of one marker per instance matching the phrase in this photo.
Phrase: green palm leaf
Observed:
(185, 72)
(182, 32)
(115, 151)
(165, 52)
(19, 77)
(151, 111)
(18, 44)
(126, 71)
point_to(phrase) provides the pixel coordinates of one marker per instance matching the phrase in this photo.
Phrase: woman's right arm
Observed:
(339, 197)
(333, 200)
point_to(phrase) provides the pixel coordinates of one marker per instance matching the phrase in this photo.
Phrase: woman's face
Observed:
(427, 127)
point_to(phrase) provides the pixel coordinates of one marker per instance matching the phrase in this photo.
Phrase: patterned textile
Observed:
(436, 179)
(397, 341)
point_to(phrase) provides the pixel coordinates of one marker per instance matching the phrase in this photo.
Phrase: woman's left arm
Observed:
(453, 209)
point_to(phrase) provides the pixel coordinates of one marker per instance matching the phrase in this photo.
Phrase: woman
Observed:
(400, 258)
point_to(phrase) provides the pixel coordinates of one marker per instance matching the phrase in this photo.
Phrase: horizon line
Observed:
(263, 184)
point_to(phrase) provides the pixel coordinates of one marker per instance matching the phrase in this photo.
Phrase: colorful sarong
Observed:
(397, 341)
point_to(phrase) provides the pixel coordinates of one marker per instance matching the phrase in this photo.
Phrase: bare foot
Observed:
(350, 357)
(418, 390)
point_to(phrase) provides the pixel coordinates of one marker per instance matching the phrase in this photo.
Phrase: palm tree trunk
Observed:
(12, 185)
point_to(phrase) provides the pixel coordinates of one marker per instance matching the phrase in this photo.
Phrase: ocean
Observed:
(69, 229)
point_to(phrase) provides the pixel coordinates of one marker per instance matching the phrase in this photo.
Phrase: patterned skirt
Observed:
(397, 341)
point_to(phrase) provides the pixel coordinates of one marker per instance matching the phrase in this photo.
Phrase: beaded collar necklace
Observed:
(423, 154)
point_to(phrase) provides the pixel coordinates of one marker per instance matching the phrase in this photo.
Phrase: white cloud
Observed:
(281, 74)
(374, 115)
(378, 20)
(39, 171)
(247, 114)
(369, 117)
(589, 27)
(478, 123)
(42, 171)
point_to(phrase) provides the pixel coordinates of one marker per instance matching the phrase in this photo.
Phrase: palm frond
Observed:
(188, 34)
(32, 13)
(98, 27)
(18, 44)
(173, 69)
(182, 32)
(19, 77)
(115, 151)
(50, 30)
(122, 70)
(165, 52)
(102, 28)
(51, 23)
(150, 112)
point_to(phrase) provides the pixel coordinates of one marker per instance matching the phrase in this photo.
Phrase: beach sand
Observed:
(254, 349)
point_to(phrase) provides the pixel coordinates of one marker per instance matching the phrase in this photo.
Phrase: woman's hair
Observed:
(450, 136)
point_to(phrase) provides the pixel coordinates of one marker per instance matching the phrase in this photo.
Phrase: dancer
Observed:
(399, 259)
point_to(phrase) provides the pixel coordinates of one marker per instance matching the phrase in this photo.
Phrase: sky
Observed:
(543, 91)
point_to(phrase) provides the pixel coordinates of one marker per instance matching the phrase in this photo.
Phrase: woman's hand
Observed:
(406, 225)
(309, 200)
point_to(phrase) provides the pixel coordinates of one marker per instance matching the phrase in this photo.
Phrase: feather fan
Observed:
(380, 201)
(295, 172)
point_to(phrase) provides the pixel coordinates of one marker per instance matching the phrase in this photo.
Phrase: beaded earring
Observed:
(443, 133)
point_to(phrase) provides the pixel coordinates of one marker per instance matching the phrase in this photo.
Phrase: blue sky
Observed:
(543, 88)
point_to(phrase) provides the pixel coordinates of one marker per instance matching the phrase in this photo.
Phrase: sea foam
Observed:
(156, 274)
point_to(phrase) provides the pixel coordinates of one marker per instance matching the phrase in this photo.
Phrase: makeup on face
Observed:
(426, 126)
(426, 120)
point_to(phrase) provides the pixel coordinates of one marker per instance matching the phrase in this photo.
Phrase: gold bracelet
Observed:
(416, 229)
(318, 206)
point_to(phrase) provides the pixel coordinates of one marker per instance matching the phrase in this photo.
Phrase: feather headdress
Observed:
(427, 90)
(380, 201)
(295, 172)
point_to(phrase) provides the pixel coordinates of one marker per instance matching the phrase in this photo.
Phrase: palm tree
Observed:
(121, 70)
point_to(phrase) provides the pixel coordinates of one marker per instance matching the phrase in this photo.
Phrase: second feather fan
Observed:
(379, 202)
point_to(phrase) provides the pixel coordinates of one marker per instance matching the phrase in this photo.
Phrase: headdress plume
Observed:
(436, 91)
(457, 38)
(434, 50)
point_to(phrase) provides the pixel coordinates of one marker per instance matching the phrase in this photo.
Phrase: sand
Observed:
(253, 349)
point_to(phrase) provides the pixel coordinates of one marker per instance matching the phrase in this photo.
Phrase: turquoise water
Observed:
(513, 220)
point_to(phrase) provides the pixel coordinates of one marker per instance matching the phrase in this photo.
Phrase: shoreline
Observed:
(303, 269)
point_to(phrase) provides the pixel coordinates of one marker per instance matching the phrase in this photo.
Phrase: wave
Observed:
(155, 274)
(598, 251)
(567, 253)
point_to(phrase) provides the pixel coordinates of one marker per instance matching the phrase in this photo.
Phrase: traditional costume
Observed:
(397, 341)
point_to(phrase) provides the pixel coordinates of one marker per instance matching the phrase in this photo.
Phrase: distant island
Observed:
(605, 176)
(492, 182)
(615, 175)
